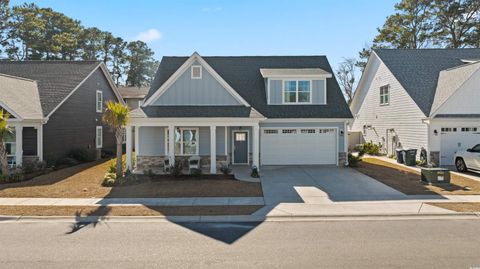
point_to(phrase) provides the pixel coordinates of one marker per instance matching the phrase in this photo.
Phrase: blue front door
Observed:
(240, 147)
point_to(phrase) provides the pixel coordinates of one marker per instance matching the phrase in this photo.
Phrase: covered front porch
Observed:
(25, 143)
(160, 143)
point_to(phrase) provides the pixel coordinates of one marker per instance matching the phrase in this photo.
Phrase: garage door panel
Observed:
(298, 146)
(453, 141)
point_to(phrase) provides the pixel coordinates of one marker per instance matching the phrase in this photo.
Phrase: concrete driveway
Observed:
(321, 184)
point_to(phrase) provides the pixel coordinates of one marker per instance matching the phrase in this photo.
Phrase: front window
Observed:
(297, 91)
(11, 147)
(186, 141)
(384, 95)
(99, 101)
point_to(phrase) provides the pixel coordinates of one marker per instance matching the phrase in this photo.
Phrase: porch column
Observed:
(213, 149)
(40, 142)
(345, 142)
(128, 137)
(18, 144)
(256, 146)
(137, 129)
(171, 144)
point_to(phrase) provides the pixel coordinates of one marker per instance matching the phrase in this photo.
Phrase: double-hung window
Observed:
(186, 141)
(11, 147)
(99, 137)
(99, 101)
(384, 95)
(297, 92)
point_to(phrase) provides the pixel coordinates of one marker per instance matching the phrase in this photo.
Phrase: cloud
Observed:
(212, 9)
(149, 35)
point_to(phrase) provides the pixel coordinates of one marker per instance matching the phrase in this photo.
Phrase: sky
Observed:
(336, 29)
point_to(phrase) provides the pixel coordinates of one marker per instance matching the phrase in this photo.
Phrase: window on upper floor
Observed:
(297, 92)
(196, 71)
(384, 95)
(99, 101)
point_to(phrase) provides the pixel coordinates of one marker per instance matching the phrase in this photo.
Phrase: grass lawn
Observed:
(409, 182)
(126, 210)
(459, 207)
(84, 181)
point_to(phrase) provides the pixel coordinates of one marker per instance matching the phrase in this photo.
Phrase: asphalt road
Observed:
(323, 244)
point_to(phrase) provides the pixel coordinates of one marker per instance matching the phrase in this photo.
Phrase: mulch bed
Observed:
(84, 181)
(126, 210)
(459, 207)
(408, 182)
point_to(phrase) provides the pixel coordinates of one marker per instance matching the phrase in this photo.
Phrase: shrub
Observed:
(66, 161)
(353, 160)
(33, 166)
(82, 155)
(176, 169)
(369, 148)
(16, 175)
(225, 169)
(109, 179)
(196, 172)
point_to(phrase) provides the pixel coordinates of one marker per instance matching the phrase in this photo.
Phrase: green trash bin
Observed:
(435, 175)
(410, 157)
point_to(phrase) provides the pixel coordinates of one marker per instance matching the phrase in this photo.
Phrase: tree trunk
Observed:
(3, 159)
(119, 138)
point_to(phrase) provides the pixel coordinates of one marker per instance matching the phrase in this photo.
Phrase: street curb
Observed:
(236, 218)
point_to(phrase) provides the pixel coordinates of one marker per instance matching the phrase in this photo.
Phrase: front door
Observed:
(240, 147)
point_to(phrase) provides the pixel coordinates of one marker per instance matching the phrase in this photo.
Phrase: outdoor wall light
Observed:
(341, 132)
(435, 132)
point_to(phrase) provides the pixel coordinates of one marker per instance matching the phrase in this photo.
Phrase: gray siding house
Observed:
(272, 110)
(56, 106)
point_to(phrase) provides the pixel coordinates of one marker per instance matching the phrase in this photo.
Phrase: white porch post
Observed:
(40, 142)
(345, 141)
(256, 146)
(18, 144)
(137, 130)
(213, 149)
(128, 130)
(171, 144)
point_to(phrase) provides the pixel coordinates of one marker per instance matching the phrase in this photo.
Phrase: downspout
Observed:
(427, 122)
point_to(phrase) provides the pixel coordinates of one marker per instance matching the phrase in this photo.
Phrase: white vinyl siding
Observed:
(384, 95)
(99, 137)
(403, 115)
(99, 101)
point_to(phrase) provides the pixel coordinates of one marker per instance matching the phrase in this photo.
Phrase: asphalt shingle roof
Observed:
(21, 96)
(242, 73)
(133, 92)
(55, 79)
(418, 70)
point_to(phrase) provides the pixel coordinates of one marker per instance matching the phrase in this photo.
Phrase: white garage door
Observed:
(454, 139)
(284, 146)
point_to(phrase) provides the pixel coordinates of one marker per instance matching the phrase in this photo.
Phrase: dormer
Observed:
(299, 86)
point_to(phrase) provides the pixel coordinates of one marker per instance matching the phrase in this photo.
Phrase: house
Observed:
(272, 110)
(133, 96)
(55, 107)
(420, 98)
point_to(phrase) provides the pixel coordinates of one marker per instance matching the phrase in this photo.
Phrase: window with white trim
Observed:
(385, 95)
(99, 101)
(196, 71)
(186, 141)
(99, 137)
(11, 147)
(297, 92)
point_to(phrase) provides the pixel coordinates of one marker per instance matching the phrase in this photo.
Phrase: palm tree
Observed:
(5, 130)
(116, 116)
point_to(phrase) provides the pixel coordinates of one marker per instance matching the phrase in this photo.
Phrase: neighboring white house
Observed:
(418, 98)
(272, 110)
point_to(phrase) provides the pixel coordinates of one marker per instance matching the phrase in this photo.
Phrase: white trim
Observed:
(226, 141)
(195, 57)
(40, 142)
(99, 143)
(233, 145)
(197, 152)
(306, 120)
(137, 141)
(268, 92)
(387, 86)
(213, 149)
(296, 92)
(98, 110)
(19, 144)
(325, 91)
(307, 77)
(10, 111)
(191, 71)
(128, 147)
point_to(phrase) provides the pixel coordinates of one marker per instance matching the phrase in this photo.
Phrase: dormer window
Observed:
(297, 91)
(196, 71)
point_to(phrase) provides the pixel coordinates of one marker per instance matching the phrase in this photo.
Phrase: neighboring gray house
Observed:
(133, 96)
(56, 106)
(420, 98)
(272, 110)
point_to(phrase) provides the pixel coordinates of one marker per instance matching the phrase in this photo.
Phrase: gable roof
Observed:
(133, 92)
(418, 70)
(242, 73)
(56, 80)
(20, 96)
(450, 81)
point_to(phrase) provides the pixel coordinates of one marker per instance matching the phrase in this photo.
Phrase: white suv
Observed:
(468, 159)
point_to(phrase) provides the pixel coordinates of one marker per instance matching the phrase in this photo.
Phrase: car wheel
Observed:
(460, 164)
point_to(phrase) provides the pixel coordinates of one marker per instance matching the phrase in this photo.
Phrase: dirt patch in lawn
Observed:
(408, 181)
(126, 210)
(459, 207)
(84, 181)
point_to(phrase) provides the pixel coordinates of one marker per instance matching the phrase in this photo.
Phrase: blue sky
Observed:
(270, 27)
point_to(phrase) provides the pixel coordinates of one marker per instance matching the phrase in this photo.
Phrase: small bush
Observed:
(225, 169)
(16, 175)
(353, 160)
(109, 180)
(196, 172)
(66, 161)
(33, 166)
(82, 155)
(369, 148)
(176, 169)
